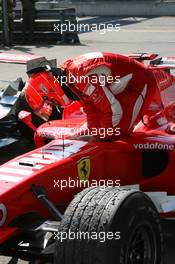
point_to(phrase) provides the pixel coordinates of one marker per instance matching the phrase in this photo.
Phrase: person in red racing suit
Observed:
(115, 90)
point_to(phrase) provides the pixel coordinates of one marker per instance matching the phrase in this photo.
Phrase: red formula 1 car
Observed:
(74, 200)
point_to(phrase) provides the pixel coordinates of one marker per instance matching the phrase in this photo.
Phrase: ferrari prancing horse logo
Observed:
(84, 168)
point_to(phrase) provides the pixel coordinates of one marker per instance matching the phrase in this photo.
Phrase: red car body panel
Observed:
(54, 162)
(6, 233)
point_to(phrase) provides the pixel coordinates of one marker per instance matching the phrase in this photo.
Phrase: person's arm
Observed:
(92, 113)
(109, 109)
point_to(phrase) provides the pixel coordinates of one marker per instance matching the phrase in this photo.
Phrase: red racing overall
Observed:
(115, 92)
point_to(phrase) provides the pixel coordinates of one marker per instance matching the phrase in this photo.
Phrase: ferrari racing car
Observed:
(76, 200)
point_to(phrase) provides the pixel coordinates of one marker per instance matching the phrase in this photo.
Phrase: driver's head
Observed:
(42, 91)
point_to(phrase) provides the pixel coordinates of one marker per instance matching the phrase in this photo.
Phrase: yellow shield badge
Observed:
(84, 168)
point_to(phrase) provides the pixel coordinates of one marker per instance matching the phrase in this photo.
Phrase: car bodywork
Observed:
(57, 163)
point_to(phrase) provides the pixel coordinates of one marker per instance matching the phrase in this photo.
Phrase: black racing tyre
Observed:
(107, 226)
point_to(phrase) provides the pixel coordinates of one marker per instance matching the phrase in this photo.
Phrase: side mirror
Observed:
(26, 118)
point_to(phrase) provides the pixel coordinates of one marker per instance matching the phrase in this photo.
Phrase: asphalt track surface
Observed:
(135, 35)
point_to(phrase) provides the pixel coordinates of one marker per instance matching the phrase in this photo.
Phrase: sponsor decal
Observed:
(84, 168)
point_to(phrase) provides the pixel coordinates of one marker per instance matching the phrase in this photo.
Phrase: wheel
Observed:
(109, 226)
